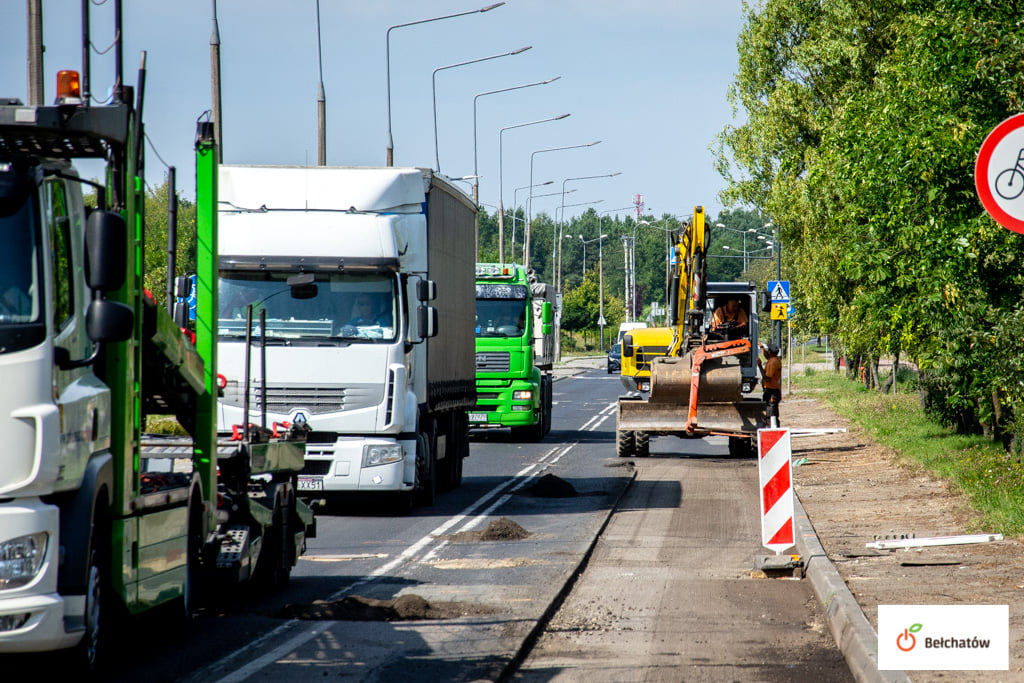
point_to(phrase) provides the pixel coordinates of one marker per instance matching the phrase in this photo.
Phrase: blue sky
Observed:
(647, 78)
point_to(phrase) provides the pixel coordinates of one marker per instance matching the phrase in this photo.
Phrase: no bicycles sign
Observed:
(999, 173)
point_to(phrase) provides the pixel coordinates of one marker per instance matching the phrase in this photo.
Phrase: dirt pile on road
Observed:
(501, 529)
(408, 607)
(550, 486)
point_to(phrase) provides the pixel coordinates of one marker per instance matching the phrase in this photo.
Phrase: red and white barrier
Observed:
(776, 476)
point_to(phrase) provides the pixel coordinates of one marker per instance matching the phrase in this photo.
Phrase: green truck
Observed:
(97, 518)
(515, 350)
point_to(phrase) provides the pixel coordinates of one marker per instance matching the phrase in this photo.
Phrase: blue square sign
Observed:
(779, 290)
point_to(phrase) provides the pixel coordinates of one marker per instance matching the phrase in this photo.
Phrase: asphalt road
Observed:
(364, 549)
(666, 595)
(670, 593)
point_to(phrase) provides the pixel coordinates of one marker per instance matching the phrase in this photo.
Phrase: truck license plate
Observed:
(311, 483)
(478, 417)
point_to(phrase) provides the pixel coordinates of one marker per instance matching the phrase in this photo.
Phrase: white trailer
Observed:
(364, 277)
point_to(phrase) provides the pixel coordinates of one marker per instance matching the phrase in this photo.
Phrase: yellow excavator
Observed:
(694, 378)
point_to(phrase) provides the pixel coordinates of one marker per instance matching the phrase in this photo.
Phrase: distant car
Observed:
(615, 359)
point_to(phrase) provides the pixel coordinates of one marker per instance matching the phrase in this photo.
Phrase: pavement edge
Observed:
(852, 631)
(556, 603)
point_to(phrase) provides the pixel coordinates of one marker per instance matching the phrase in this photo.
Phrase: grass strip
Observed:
(992, 480)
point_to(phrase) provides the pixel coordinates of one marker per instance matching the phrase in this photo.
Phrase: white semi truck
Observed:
(364, 278)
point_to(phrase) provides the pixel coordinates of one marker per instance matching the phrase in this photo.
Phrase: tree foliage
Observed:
(863, 121)
(155, 274)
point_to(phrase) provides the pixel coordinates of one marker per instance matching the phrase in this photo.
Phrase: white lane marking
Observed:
(344, 558)
(596, 421)
(311, 631)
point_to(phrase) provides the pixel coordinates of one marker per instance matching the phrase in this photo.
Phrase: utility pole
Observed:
(215, 86)
(35, 52)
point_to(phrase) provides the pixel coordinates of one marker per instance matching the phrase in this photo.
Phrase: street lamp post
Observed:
(501, 184)
(529, 202)
(321, 100)
(476, 172)
(631, 269)
(387, 64)
(433, 90)
(515, 205)
(600, 287)
(585, 243)
(625, 259)
(589, 177)
(556, 238)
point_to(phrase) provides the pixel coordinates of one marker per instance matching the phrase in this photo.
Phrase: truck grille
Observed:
(492, 361)
(645, 354)
(317, 399)
(317, 467)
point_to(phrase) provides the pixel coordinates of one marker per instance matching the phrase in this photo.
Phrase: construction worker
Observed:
(771, 373)
(729, 317)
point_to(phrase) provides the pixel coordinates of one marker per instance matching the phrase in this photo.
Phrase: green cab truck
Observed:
(515, 350)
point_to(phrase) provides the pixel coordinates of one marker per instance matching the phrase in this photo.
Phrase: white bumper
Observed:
(48, 613)
(338, 467)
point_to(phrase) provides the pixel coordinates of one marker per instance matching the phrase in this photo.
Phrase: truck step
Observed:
(233, 547)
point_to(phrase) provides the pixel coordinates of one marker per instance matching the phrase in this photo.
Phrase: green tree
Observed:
(863, 120)
(155, 274)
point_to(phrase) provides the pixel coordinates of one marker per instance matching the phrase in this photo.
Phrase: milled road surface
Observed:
(668, 593)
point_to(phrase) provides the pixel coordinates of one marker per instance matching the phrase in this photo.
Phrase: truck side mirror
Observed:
(546, 314)
(627, 346)
(182, 286)
(766, 301)
(427, 321)
(109, 321)
(426, 290)
(106, 244)
(105, 321)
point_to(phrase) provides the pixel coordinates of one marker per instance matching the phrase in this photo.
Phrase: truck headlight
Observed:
(21, 558)
(524, 395)
(381, 454)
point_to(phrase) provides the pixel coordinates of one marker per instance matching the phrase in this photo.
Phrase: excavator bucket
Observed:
(734, 417)
(721, 380)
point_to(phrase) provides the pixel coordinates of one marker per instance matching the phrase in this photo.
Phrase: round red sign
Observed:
(999, 173)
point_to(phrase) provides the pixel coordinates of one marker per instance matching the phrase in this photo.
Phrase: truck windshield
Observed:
(21, 319)
(500, 317)
(307, 307)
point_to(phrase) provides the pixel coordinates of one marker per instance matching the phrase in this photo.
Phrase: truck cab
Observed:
(514, 351)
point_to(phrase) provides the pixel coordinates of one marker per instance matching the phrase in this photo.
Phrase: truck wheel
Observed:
(548, 396)
(625, 443)
(185, 607)
(740, 447)
(273, 571)
(643, 444)
(459, 438)
(94, 650)
(426, 470)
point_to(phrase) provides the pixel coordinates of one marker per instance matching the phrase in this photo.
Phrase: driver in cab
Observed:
(729, 319)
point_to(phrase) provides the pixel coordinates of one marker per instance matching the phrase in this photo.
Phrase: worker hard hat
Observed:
(772, 349)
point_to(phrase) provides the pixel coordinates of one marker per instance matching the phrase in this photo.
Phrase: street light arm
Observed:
(501, 186)
(433, 89)
(387, 62)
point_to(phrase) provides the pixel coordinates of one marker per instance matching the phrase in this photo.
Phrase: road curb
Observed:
(530, 641)
(852, 631)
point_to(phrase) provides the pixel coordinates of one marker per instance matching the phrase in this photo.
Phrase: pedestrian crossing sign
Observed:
(779, 290)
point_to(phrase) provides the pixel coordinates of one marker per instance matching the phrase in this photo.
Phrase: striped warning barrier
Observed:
(775, 473)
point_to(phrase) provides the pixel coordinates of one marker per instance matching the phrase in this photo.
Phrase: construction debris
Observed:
(933, 541)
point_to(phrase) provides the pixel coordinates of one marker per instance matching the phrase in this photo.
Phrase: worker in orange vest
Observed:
(771, 373)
